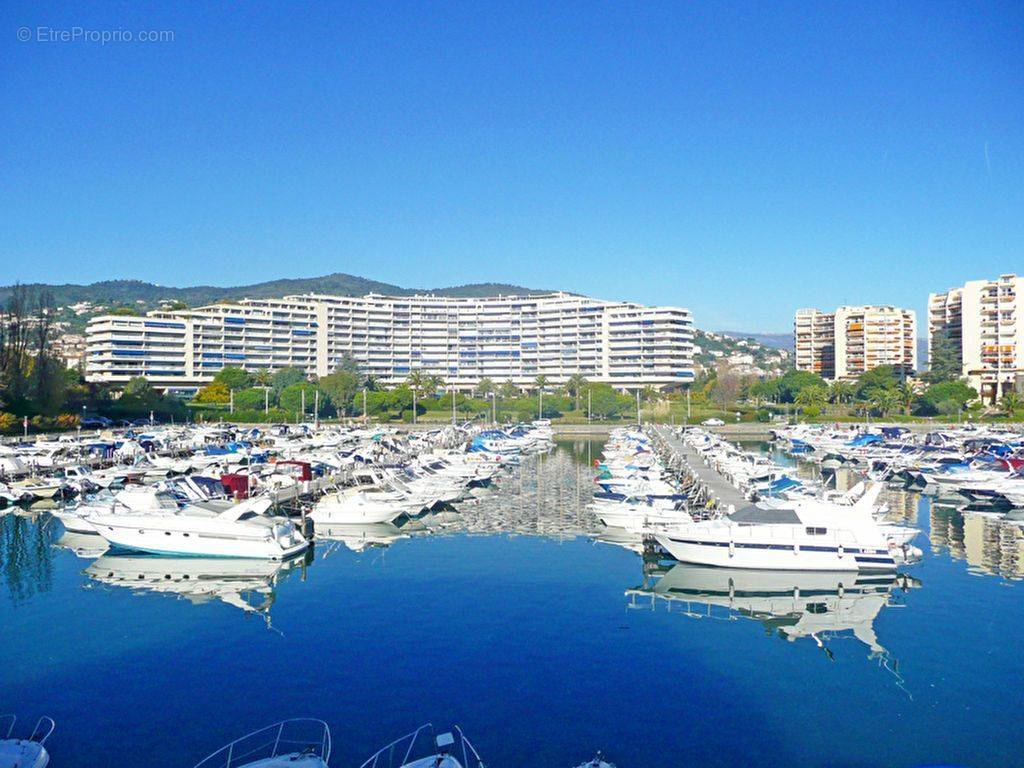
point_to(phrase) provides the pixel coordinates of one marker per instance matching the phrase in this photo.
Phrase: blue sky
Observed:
(739, 159)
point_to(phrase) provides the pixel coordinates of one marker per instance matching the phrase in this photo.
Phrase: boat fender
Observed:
(732, 548)
(840, 550)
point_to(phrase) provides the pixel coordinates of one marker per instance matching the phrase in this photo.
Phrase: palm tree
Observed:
(885, 400)
(484, 387)
(574, 387)
(840, 392)
(1011, 402)
(814, 396)
(416, 381)
(261, 378)
(540, 382)
(906, 396)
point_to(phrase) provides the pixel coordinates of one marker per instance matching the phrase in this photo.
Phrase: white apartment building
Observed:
(461, 340)
(843, 344)
(983, 319)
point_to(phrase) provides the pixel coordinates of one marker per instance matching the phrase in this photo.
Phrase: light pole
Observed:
(494, 407)
(364, 404)
(588, 405)
(638, 422)
(453, 405)
(414, 405)
(231, 400)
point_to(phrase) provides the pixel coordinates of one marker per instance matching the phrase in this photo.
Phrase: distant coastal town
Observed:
(507, 355)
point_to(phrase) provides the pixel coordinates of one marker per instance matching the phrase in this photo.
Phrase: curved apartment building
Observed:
(461, 340)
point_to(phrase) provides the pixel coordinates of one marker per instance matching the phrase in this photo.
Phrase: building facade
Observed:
(982, 319)
(843, 344)
(461, 340)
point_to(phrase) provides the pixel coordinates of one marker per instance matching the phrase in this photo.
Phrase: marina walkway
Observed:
(716, 486)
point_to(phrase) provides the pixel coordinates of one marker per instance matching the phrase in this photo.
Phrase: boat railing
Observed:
(44, 727)
(403, 750)
(296, 735)
(10, 720)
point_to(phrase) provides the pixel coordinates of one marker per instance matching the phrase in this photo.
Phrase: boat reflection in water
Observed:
(87, 546)
(791, 604)
(247, 584)
(358, 538)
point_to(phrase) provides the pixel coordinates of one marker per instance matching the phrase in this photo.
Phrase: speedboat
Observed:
(24, 753)
(360, 505)
(136, 499)
(242, 530)
(811, 535)
(423, 749)
(295, 743)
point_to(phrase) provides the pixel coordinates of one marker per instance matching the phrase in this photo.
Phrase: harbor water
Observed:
(516, 619)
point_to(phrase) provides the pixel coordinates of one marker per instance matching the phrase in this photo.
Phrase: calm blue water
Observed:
(527, 641)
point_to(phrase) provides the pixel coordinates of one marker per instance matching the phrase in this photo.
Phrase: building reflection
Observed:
(26, 555)
(989, 543)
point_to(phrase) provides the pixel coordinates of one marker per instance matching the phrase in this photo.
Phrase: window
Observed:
(816, 531)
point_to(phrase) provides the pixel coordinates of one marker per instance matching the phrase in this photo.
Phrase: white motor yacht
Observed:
(242, 530)
(361, 505)
(813, 535)
(24, 753)
(134, 499)
(423, 749)
(295, 743)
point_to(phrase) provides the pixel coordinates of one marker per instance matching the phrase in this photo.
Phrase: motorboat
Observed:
(295, 743)
(242, 530)
(360, 505)
(813, 535)
(424, 749)
(134, 499)
(24, 753)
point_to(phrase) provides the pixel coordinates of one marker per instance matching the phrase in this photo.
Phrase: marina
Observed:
(505, 585)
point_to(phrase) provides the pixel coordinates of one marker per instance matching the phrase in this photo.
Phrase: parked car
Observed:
(712, 423)
(96, 422)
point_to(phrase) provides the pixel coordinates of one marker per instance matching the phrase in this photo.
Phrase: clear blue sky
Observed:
(740, 159)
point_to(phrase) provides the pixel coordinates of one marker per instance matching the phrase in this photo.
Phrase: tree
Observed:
(871, 383)
(233, 377)
(944, 359)
(540, 382)
(285, 377)
(341, 387)
(814, 396)
(251, 399)
(885, 400)
(793, 381)
(347, 364)
(1011, 402)
(575, 387)
(840, 392)
(906, 396)
(727, 386)
(484, 388)
(213, 393)
(291, 397)
(945, 397)
(508, 390)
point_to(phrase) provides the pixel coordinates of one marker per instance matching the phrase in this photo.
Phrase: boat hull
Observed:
(774, 556)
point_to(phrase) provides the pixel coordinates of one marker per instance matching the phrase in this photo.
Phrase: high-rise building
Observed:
(983, 322)
(852, 340)
(461, 340)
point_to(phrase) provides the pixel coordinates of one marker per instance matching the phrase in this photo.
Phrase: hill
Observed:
(80, 302)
